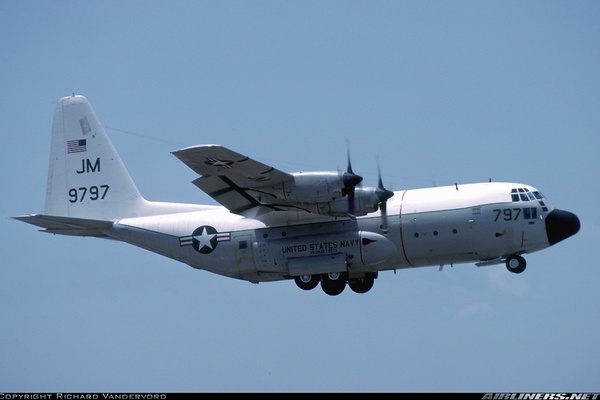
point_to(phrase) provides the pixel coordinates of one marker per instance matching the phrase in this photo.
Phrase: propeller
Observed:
(350, 180)
(383, 195)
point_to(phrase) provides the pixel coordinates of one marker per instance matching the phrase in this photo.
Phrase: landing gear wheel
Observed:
(334, 283)
(516, 264)
(307, 282)
(362, 285)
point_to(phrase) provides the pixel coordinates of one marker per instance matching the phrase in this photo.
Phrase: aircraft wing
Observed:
(236, 181)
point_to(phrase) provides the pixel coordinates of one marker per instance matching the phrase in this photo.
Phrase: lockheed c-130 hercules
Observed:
(311, 227)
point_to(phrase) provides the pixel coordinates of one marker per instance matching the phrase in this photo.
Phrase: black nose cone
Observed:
(561, 225)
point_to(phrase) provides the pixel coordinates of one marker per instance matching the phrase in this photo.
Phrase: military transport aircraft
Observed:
(311, 227)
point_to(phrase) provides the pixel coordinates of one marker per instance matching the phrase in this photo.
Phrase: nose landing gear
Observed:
(516, 264)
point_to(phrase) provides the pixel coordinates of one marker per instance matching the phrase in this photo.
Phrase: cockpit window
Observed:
(523, 194)
(514, 195)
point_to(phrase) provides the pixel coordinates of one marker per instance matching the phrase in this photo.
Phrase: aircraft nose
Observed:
(560, 225)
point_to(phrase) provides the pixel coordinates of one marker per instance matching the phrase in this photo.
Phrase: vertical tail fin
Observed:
(86, 177)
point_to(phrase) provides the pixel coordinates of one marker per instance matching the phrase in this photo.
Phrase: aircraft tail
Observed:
(86, 177)
(88, 185)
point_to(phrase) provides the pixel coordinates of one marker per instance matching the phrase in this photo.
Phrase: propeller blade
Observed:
(348, 157)
(383, 195)
(384, 222)
(350, 180)
(379, 181)
(351, 204)
(349, 177)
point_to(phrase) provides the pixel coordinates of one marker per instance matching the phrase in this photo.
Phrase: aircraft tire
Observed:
(334, 284)
(516, 264)
(362, 285)
(307, 282)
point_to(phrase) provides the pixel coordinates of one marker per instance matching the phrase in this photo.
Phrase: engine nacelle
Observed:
(318, 187)
(366, 200)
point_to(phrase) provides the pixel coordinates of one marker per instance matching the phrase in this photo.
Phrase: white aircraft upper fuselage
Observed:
(313, 227)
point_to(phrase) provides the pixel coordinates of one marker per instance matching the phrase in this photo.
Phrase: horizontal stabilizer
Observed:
(67, 225)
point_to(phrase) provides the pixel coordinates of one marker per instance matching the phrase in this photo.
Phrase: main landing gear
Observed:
(334, 283)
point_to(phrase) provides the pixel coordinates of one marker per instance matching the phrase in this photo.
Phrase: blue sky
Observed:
(440, 91)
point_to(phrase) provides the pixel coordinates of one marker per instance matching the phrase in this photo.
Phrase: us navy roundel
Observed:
(204, 239)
